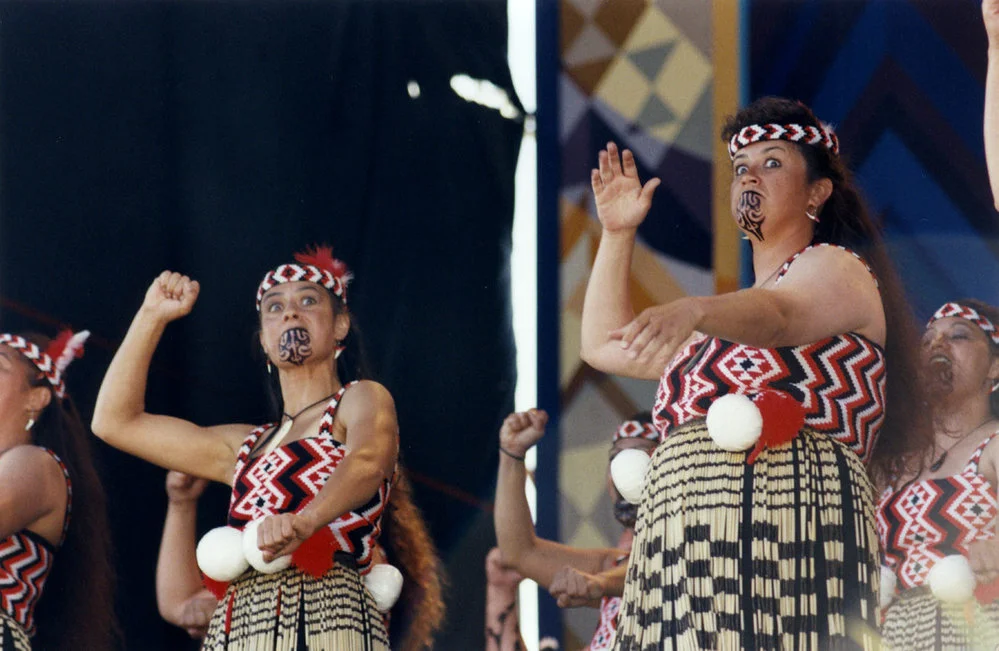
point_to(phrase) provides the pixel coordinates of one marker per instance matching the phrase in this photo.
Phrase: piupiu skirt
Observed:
(292, 611)
(781, 554)
(12, 635)
(918, 621)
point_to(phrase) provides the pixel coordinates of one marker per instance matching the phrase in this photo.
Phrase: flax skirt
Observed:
(781, 554)
(918, 621)
(12, 636)
(291, 611)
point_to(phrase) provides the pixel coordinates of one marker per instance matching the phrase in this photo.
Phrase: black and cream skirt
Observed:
(292, 611)
(12, 636)
(918, 621)
(781, 554)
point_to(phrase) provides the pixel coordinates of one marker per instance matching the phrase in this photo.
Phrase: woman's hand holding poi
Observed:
(657, 333)
(282, 534)
(522, 429)
(621, 199)
(171, 296)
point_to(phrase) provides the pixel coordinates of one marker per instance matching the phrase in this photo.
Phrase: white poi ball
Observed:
(256, 557)
(951, 579)
(734, 422)
(220, 554)
(384, 582)
(888, 583)
(628, 470)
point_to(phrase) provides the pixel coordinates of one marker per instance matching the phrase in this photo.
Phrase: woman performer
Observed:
(54, 535)
(327, 468)
(554, 566)
(949, 506)
(776, 549)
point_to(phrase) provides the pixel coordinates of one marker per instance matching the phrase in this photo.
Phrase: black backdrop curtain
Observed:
(216, 139)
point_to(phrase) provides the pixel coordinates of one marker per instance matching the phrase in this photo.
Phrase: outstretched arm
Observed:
(180, 596)
(368, 414)
(827, 292)
(990, 14)
(120, 416)
(622, 204)
(535, 558)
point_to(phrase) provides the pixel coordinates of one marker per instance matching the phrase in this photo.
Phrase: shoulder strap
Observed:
(787, 265)
(326, 422)
(69, 495)
(976, 456)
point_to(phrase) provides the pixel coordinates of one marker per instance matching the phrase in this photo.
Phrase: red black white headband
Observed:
(52, 361)
(970, 314)
(316, 265)
(806, 135)
(635, 429)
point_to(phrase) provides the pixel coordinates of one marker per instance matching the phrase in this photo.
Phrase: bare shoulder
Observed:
(367, 398)
(32, 464)
(829, 264)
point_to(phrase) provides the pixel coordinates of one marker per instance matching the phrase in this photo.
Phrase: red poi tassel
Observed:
(217, 588)
(315, 555)
(783, 418)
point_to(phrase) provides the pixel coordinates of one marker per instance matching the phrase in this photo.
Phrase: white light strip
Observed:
(524, 263)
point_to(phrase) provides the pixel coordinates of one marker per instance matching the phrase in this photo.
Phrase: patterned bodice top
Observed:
(603, 638)
(928, 519)
(25, 564)
(839, 380)
(286, 479)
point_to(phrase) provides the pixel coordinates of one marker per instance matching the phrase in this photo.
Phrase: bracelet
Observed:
(510, 454)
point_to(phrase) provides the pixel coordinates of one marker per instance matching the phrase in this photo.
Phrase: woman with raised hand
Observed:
(56, 580)
(812, 368)
(316, 484)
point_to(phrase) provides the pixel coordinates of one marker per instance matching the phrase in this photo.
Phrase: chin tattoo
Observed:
(295, 346)
(749, 214)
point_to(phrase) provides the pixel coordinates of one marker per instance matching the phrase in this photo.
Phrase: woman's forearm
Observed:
(515, 534)
(122, 395)
(607, 304)
(177, 575)
(991, 127)
(352, 485)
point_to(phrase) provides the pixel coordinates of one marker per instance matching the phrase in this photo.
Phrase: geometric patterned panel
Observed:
(638, 73)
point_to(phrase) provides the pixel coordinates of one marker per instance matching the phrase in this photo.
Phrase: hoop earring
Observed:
(814, 218)
(269, 367)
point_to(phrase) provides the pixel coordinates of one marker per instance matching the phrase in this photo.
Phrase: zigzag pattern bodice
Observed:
(840, 380)
(25, 564)
(289, 477)
(931, 518)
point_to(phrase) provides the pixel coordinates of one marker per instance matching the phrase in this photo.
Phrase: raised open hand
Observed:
(171, 296)
(622, 201)
(522, 429)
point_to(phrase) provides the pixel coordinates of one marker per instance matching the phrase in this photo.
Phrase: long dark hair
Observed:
(844, 219)
(76, 610)
(419, 613)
